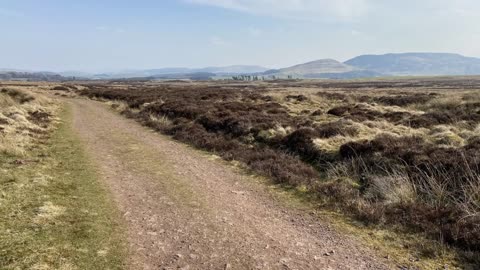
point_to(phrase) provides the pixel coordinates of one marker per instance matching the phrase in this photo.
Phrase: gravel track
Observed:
(184, 209)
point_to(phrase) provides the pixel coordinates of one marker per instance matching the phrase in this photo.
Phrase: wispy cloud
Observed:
(326, 10)
(343, 10)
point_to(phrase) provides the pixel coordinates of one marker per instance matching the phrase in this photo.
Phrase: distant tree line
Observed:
(248, 78)
(256, 78)
(33, 76)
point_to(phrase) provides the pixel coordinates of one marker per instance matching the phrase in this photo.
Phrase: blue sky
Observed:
(106, 35)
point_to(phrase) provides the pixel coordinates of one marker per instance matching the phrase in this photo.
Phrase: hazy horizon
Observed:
(94, 36)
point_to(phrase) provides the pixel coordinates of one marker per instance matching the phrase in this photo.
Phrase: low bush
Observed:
(299, 98)
(404, 100)
(61, 88)
(331, 129)
(466, 112)
(442, 179)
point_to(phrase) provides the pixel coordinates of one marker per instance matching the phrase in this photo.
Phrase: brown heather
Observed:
(402, 153)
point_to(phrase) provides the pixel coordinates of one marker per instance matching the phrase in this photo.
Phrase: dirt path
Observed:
(186, 210)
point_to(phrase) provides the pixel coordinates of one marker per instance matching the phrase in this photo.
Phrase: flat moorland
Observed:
(397, 153)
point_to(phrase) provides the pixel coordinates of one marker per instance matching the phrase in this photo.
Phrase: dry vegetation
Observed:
(24, 118)
(399, 153)
(54, 213)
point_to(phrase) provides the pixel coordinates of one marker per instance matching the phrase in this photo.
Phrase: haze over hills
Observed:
(401, 64)
(324, 68)
(169, 71)
(418, 64)
(364, 66)
(238, 69)
(314, 67)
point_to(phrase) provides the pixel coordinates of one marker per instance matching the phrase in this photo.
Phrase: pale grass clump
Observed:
(367, 130)
(14, 147)
(390, 187)
(274, 132)
(313, 101)
(370, 129)
(434, 187)
(429, 186)
(446, 103)
(48, 212)
(117, 105)
(6, 101)
(477, 129)
(65, 265)
(394, 188)
(473, 96)
(331, 145)
(162, 120)
(17, 129)
(446, 135)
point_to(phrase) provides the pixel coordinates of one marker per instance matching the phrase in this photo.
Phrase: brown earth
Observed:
(184, 209)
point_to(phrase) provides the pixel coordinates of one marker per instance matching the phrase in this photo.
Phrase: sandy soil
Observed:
(184, 209)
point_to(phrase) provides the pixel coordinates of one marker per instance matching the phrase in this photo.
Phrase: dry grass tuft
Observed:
(24, 117)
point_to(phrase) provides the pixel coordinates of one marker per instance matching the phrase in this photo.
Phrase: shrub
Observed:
(404, 100)
(301, 142)
(281, 167)
(332, 129)
(299, 98)
(61, 88)
(357, 112)
(317, 113)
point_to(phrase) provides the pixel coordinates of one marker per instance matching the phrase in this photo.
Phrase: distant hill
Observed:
(315, 67)
(238, 69)
(418, 64)
(354, 74)
(364, 66)
(186, 76)
(181, 72)
(32, 76)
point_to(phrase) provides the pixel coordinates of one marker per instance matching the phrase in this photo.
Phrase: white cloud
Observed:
(345, 10)
(317, 10)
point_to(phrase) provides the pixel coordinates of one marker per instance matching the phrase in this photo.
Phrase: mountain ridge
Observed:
(417, 64)
(362, 66)
(320, 66)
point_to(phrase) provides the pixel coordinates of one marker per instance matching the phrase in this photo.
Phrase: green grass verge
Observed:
(54, 212)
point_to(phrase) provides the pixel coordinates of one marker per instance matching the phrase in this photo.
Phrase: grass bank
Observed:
(55, 213)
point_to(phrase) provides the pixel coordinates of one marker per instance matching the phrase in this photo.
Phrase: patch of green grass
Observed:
(54, 212)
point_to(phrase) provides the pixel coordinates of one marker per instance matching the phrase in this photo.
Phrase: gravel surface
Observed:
(184, 209)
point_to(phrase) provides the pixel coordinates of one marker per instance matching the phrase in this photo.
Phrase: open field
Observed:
(403, 154)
